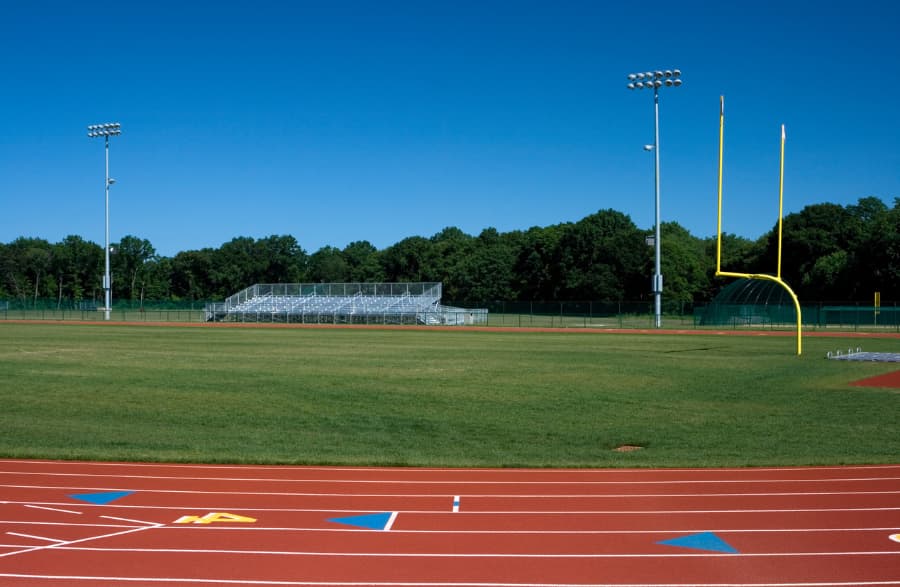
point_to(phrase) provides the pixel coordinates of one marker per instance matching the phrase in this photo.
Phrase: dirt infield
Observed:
(891, 380)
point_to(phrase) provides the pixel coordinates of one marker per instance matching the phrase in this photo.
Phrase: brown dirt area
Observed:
(891, 380)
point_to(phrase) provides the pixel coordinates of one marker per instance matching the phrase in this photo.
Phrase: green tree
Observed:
(327, 265)
(235, 266)
(450, 255)
(684, 265)
(77, 265)
(815, 232)
(739, 255)
(129, 260)
(488, 269)
(411, 259)
(877, 261)
(30, 262)
(537, 264)
(602, 257)
(363, 262)
(158, 274)
(828, 250)
(282, 260)
(191, 276)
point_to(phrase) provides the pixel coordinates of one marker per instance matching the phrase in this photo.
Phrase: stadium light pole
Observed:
(655, 80)
(106, 130)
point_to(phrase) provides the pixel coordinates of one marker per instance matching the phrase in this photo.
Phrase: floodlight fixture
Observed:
(655, 80)
(106, 130)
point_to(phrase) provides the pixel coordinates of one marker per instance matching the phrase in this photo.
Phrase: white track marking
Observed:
(478, 495)
(40, 507)
(459, 482)
(66, 524)
(33, 537)
(480, 555)
(80, 540)
(501, 512)
(543, 532)
(390, 522)
(594, 479)
(255, 528)
(130, 520)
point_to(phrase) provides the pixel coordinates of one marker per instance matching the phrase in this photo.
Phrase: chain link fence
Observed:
(836, 316)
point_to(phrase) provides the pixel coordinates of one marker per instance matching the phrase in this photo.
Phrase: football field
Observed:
(417, 397)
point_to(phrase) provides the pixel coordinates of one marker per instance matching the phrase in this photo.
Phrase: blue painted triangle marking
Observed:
(702, 541)
(371, 521)
(101, 498)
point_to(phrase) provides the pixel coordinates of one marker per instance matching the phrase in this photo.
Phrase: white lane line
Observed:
(173, 580)
(66, 524)
(130, 520)
(33, 537)
(542, 532)
(502, 512)
(460, 482)
(390, 522)
(345, 554)
(40, 507)
(478, 495)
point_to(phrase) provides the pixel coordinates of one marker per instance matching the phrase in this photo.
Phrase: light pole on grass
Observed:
(649, 149)
(106, 130)
(655, 80)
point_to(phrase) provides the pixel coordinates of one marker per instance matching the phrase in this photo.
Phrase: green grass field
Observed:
(433, 398)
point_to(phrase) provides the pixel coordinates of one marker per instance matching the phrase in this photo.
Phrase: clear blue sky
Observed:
(340, 121)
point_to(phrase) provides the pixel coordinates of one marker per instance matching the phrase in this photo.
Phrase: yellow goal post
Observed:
(762, 276)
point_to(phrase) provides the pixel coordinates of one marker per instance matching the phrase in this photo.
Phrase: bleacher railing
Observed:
(419, 289)
(343, 303)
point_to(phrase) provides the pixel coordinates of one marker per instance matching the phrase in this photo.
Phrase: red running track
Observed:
(188, 525)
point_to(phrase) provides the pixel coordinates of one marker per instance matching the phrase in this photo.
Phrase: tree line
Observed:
(830, 253)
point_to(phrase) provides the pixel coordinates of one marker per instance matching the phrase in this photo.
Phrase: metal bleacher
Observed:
(342, 303)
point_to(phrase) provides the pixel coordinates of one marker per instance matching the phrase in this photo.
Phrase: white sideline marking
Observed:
(40, 507)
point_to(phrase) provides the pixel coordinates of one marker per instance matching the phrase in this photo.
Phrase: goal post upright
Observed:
(760, 276)
(719, 216)
(780, 200)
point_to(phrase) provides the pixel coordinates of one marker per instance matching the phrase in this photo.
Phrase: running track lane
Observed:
(189, 525)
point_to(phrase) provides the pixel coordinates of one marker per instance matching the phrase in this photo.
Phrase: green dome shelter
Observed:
(750, 302)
